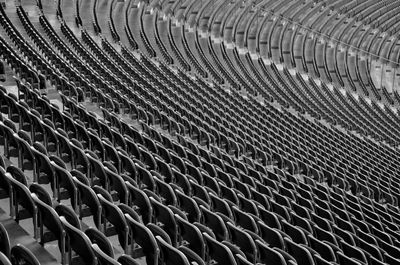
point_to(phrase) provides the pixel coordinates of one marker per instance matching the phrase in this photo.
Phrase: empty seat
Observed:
(169, 254)
(143, 237)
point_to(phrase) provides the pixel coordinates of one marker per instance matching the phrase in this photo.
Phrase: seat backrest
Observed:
(22, 255)
(216, 223)
(271, 235)
(102, 257)
(192, 235)
(88, 197)
(165, 216)
(243, 240)
(143, 237)
(69, 214)
(115, 216)
(41, 193)
(140, 200)
(268, 255)
(79, 242)
(300, 253)
(171, 255)
(101, 241)
(49, 218)
(218, 252)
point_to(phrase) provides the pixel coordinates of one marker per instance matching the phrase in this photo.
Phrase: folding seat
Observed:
(148, 159)
(200, 192)
(13, 110)
(64, 186)
(260, 199)
(170, 255)
(218, 252)
(140, 203)
(88, 203)
(270, 218)
(165, 218)
(111, 155)
(178, 163)
(303, 223)
(164, 169)
(367, 237)
(96, 172)
(132, 148)
(281, 210)
(41, 193)
(79, 243)
(272, 236)
(210, 183)
(114, 216)
(48, 217)
(382, 235)
(190, 235)
(325, 235)
(300, 252)
(219, 205)
(242, 187)
(245, 220)
(22, 255)
(149, 144)
(10, 144)
(98, 238)
(21, 196)
(189, 206)
(165, 192)
(353, 251)
(96, 144)
(281, 199)
(69, 215)
(158, 231)
(143, 237)
(50, 138)
(359, 223)
(214, 222)
(268, 255)
(390, 249)
(322, 248)
(244, 241)
(117, 186)
(181, 181)
(192, 157)
(321, 222)
(130, 211)
(26, 159)
(82, 134)
(179, 149)
(297, 234)
(247, 205)
(128, 167)
(370, 249)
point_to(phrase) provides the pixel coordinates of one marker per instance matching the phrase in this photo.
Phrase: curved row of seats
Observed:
(254, 181)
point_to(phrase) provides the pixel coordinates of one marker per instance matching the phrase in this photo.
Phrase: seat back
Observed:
(142, 236)
(218, 252)
(22, 255)
(171, 255)
(79, 243)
